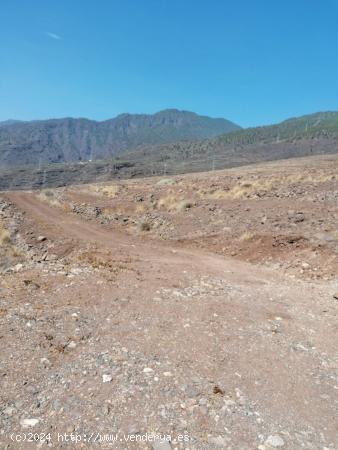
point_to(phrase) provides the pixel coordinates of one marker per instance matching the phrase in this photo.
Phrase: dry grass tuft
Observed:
(253, 188)
(48, 196)
(311, 178)
(247, 236)
(140, 209)
(174, 204)
(5, 237)
(6, 245)
(13, 251)
(242, 190)
(104, 261)
(167, 202)
(110, 191)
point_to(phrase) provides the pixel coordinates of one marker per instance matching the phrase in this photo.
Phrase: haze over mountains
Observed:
(65, 140)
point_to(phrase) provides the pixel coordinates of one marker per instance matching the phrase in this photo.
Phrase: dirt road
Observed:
(134, 336)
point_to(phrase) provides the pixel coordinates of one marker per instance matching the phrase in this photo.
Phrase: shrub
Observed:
(145, 226)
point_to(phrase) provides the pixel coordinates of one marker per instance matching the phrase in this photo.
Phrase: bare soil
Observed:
(201, 306)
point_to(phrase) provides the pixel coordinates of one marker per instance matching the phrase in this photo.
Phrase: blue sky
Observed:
(253, 62)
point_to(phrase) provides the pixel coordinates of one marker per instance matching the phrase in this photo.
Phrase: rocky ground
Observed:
(200, 308)
(282, 215)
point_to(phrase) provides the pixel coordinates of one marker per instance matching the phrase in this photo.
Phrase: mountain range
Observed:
(169, 142)
(301, 136)
(66, 140)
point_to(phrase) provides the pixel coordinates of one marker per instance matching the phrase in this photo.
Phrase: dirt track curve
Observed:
(178, 341)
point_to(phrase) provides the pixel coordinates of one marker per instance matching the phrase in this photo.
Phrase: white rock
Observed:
(167, 374)
(71, 344)
(18, 267)
(161, 445)
(106, 378)
(26, 423)
(147, 370)
(45, 361)
(275, 441)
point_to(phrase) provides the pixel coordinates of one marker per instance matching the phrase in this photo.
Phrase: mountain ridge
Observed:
(301, 136)
(310, 125)
(314, 134)
(79, 139)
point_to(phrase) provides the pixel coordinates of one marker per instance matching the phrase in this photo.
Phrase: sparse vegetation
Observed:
(110, 191)
(105, 261)
(5, 237)
(49, 197)
(247, 236)
(172, 203)
(6, 245)
(309, 126)
(166, 182)
(140, 209)
(145, 226)
(168, 202)
(45, 143)
(184, 204)
(262, 185)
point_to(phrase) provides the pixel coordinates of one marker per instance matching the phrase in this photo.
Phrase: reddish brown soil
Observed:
(242, 349)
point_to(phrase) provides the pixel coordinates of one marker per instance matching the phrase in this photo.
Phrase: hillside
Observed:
(323, 124)
(4, 123)
(66, 140)
(313, 134)
(310, 127)
(316, 134)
